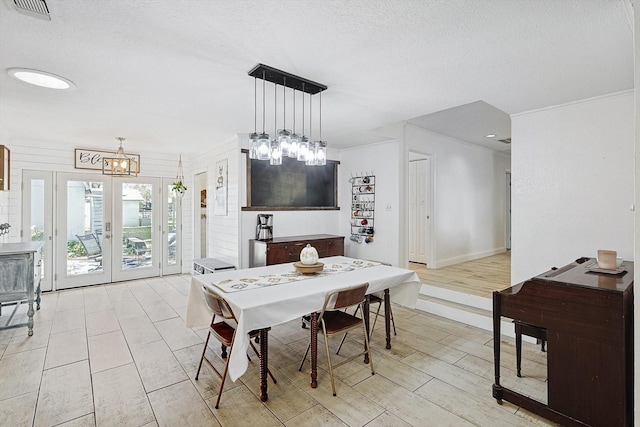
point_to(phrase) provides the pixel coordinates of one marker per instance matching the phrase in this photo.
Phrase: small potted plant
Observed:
(179, 187)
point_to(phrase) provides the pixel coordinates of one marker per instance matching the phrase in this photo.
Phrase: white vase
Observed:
(309, 255)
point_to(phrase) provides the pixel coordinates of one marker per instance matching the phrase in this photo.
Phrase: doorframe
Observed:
(197, 213)
(508, 209)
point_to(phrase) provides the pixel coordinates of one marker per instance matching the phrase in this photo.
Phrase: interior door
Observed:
(419, 211)
(37, 218)
(136, 244)
(83, 230)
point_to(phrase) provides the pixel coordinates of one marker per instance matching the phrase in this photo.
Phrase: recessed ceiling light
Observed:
(490, 135)
(40, 78)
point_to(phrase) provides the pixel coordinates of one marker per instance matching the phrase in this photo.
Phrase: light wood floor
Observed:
(478, 277)
(120, 355)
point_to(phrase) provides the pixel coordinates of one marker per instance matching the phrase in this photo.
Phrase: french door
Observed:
(37, 219)
(106, 229)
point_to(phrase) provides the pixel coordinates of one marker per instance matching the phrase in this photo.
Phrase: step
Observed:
(464, 308)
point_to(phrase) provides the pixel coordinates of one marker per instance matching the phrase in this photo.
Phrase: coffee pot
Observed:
(264, 229)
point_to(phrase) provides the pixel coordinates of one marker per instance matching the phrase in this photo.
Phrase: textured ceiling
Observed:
(172, 75)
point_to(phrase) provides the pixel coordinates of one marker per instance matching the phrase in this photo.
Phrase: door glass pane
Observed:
(37, 219)
(84, 227)
(137, 226)
(172, 221)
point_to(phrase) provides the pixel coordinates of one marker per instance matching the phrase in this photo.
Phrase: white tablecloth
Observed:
(270, 306)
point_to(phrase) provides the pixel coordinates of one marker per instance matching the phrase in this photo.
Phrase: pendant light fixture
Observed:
(263, 138)
(276, 151)
(253, 138)
(285, 142)
(120, 164)
(284, 136)
(295, 138)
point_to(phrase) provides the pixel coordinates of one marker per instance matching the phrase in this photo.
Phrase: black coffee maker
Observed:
(264, 229)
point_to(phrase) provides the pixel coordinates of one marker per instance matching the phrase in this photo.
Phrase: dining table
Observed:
(262, 297)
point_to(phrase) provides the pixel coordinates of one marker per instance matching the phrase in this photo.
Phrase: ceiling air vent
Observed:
(505, 141)
(35, 8)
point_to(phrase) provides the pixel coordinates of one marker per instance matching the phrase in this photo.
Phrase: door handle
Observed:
(106, 236)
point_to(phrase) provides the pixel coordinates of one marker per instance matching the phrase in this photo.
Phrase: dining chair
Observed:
(225, 333)
(374, 299)
(334, 320)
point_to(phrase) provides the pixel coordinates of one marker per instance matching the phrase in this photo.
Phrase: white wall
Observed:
(469, 204)
(380, 160)
(573, 183)
(223, 230)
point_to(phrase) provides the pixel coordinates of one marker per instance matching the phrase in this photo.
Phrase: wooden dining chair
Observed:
(225, 333)
(334, 320)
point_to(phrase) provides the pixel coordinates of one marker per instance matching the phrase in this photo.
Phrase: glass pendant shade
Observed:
(303, 149)
(276, 153)
(253, 146)
(310, 158)
(264, 147)
(321, 153)
(293, 146)
(284, 139)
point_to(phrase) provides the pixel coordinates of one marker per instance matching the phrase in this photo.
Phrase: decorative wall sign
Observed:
(220, 203)
(92, 159)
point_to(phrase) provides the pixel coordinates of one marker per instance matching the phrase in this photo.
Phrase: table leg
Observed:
(365, 314)
(314, 350)
(38, 297)
(497, 316)
(387, 317)
(30, 312)
(264, 363)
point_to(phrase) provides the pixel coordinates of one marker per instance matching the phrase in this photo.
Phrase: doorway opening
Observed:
(200, 216)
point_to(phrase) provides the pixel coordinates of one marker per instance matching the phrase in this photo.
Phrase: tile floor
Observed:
(119, 355)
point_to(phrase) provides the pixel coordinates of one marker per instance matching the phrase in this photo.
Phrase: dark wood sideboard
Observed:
(287, 249)
(588, 317)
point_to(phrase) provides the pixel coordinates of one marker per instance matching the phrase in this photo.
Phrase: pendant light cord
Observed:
(320, 139)
(302, 108)
(263, 107)
(294, 110)
(284, 104)
(255, 105)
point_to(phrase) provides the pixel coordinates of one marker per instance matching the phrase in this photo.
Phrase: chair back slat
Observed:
(218, 305)
(347, 297)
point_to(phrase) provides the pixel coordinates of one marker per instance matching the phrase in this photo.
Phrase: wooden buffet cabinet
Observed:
(588, 318)
(287, 249)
